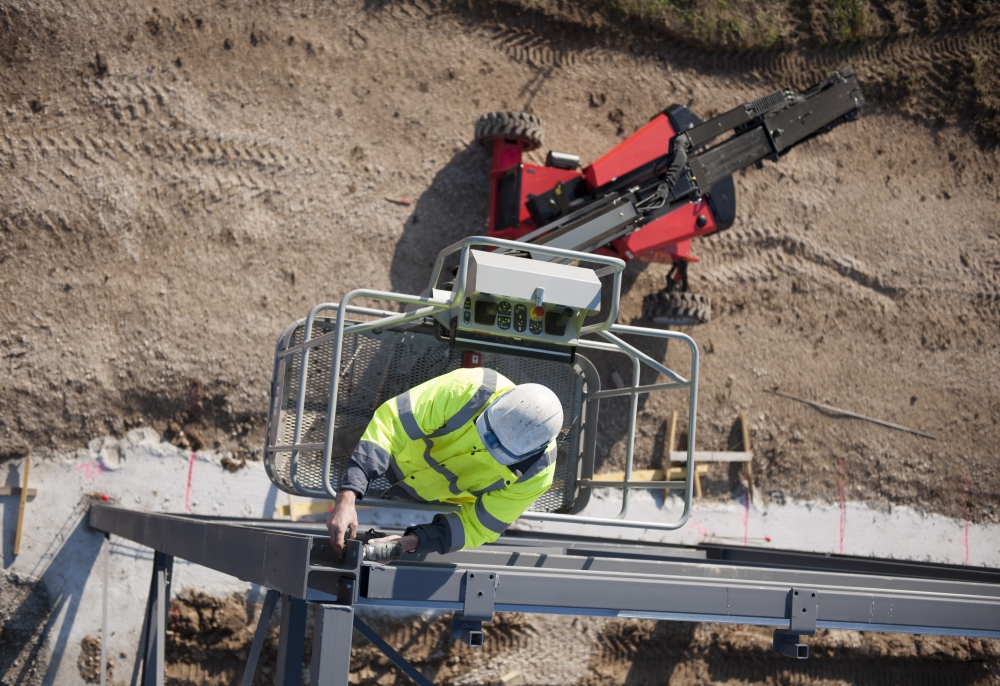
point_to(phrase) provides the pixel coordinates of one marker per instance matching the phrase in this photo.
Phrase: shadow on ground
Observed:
(454, 206)
(33, 603)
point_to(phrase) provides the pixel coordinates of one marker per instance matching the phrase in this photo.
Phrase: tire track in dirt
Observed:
(764, 256)
(927, 73)
(201, 167)
(762, 253)
(804, 67)
(646, 652)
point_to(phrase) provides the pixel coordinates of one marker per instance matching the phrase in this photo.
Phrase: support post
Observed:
(104, 612)
(331, 653)
(291, 644)
(144, 634)
(153, 646)
(270, 600)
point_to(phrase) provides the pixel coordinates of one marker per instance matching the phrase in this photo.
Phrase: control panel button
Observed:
(535, 328)
(503, 322)
(466, 317)
(503, 307)
(537, 313)
(520, 318)
(468, 304)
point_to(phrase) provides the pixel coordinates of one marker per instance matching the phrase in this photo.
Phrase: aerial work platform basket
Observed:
(334, 368)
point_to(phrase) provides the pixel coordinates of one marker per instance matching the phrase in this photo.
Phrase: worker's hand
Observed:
(343, 521)
(409, 542)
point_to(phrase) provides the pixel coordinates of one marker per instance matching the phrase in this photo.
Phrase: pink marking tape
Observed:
(90, 469)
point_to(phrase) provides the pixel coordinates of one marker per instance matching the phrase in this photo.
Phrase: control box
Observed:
(520, 306)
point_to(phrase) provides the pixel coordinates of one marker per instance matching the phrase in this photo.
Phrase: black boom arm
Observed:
(763, 129)
(770, 126)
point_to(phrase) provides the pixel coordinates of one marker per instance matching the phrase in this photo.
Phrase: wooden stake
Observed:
(20, 509)
(745, 428)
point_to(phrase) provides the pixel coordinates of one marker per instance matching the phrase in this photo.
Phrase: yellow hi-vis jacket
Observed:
(425, 441)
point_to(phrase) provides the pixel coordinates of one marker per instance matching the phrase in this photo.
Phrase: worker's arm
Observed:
(370, 460)
(489, 516)
(342, 522)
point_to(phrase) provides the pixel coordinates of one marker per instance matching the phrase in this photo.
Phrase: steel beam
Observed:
(547, 573)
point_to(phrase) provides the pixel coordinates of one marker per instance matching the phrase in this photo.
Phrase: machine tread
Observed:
(520, 126)
(676, 308)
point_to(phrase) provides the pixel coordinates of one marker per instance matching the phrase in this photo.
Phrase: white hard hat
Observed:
(520, 423)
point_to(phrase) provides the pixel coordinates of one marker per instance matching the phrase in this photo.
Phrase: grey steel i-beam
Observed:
(791, 591)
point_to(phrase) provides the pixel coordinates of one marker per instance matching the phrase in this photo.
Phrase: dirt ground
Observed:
(182, 180)
(25, 613)
(211, 637)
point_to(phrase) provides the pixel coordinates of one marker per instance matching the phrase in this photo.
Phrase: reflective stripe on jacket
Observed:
(425, 441)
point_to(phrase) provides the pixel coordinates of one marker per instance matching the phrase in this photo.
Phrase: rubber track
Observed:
(520, 125)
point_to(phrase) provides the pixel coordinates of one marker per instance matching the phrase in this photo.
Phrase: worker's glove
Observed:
(383, 551)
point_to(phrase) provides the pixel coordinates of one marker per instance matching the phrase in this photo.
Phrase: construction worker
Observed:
(469, 437)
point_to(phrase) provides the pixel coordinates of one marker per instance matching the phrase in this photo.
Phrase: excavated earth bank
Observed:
(181, 180)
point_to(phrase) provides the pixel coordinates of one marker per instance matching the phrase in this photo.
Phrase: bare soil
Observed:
(24, 615)
(182, 180)
(210, 639)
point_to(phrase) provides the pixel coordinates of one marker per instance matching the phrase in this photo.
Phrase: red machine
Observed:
(659, 188)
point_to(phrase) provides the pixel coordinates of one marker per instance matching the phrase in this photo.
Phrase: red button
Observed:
(537, 313)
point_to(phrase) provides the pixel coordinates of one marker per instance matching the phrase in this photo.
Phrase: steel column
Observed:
(154, 635)
(292, 642)
(331, 648)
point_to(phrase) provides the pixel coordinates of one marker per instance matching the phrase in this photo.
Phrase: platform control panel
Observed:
(521, 306)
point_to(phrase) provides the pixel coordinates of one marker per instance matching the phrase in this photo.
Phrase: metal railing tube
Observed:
(667, 372)
(300, 402)
(630, 442)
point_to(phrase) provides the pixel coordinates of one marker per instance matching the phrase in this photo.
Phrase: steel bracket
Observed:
(479, 596)
(335, 574)
(803, 608)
